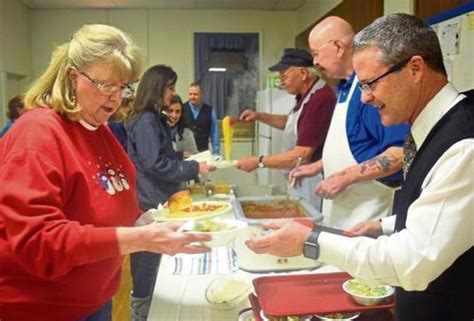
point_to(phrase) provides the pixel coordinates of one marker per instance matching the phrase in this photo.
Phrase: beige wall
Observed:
(15, 51)
(312, 11)
(395, 6)
(166, 36)
(27, 37)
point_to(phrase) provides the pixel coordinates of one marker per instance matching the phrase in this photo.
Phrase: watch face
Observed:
(311, 251)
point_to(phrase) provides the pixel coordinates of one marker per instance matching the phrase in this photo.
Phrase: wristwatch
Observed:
(311, 246)
(260, 162)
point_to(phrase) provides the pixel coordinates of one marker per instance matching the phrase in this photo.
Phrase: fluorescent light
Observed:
(215, 69)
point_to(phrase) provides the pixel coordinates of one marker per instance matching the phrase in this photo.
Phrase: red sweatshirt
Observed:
(63, 190)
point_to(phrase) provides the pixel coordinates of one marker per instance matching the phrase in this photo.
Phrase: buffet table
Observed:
(179, 293)
(181, 297)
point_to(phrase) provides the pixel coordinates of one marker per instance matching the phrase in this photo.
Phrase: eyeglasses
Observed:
(126, 91)
(367, 86)
(288, 73)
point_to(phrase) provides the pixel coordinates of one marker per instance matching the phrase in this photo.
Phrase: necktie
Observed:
(409, 151)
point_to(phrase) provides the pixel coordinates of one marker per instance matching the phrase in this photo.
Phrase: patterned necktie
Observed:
(409, 151)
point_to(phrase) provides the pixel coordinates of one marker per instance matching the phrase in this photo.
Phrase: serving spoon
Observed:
(291, 183)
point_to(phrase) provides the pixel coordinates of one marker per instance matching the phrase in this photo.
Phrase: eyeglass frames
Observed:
(126, 91)
(367, 86)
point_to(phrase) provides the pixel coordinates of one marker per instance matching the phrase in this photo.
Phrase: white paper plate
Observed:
(223, 163)
(163, 214)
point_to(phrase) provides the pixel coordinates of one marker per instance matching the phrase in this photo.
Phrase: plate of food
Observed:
(181, 207)
(222, 231)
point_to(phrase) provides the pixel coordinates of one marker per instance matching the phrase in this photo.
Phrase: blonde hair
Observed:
(90, 45)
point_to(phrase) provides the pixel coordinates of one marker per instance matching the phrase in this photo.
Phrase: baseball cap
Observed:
(293, 57)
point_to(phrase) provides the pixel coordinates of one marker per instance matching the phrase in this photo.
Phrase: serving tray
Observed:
(309, 210)
(306, 294)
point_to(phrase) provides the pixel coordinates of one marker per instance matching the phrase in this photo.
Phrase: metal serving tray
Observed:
(309, 210)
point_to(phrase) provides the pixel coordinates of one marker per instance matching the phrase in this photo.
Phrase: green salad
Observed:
(212, 226)
(339, 315)
(361, 288)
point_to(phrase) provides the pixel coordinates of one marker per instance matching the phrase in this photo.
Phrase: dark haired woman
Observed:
(159, 170)
(183, 138)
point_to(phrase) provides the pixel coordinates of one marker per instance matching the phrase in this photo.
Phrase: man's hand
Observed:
(249, 115)
(247, 164)
(286, 239)
(368, 228)
(333, 185)
(308, 170)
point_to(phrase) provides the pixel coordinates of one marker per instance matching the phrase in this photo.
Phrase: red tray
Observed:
(255, 307)
(306, 294)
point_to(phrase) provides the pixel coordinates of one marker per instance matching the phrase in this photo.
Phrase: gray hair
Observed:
(400, 36)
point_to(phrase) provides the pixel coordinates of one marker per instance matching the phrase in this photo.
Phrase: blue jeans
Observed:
(103, 314)
(144, 268)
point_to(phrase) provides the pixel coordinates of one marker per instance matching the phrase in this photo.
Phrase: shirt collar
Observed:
(86, 125)
(439, 105)
(195, 106)
(346, 84)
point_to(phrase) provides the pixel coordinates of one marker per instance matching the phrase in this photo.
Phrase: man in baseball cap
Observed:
(293, 57)
(305, 126)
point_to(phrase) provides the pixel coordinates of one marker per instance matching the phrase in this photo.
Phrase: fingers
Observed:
(190, 237)
(273, 224)
(194, 248)
(259, 244)
(174, 226)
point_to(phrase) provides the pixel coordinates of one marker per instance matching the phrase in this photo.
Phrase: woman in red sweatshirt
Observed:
(67, 191)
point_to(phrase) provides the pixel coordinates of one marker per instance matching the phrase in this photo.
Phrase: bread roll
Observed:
(178, 201)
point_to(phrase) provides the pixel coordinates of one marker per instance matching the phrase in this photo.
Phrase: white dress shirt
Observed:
(439, 226)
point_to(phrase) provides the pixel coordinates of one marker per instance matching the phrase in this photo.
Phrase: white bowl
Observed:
(335, 317)
(367, 299)
(228, 291)
(219, 238)
(264, 317)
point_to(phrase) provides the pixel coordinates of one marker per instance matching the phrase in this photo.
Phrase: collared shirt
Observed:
(215, 139)
(366, 134)
(417, 255)
(313, 123)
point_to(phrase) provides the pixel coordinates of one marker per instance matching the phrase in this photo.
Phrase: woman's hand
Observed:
(160, 238)
(205, 168)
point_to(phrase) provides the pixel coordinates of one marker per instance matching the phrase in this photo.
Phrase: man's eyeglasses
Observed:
(126, 91)
(367, 86)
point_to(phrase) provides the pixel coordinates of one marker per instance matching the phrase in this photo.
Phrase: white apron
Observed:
(289, 139)
(360, 201)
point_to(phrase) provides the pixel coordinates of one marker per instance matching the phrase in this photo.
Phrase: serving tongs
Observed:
(291, 183)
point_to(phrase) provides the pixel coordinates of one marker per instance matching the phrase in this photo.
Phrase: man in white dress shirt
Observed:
(427, 252)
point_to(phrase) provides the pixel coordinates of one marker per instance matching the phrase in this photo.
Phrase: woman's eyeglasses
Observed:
(126, 91)
(367, 86)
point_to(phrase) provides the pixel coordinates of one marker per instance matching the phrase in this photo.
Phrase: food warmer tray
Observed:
(311, 212)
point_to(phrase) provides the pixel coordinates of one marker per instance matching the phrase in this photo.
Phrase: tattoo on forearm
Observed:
(383, 162)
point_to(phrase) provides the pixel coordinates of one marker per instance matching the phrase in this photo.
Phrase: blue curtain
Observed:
(229, 93)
